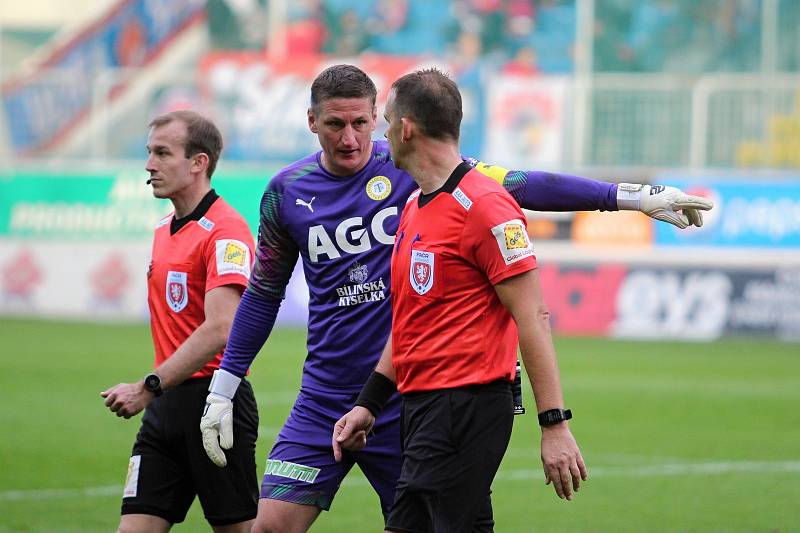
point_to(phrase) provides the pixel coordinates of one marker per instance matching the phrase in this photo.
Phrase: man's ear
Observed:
(312, 121)
(408, 129)
(200, 162)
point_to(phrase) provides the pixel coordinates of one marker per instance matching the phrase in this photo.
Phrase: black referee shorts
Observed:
(169, 465)
(453, 442)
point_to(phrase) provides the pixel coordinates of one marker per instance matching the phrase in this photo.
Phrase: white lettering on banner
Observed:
(770, 305)
(351, 236)
(658, 305)
(263, 107)
(775, 220)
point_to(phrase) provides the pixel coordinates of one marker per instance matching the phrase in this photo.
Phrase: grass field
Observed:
(677, 436)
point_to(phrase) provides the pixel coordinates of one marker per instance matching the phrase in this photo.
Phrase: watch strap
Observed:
(554, 416)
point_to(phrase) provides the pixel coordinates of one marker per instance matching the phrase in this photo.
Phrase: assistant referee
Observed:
(201, 260)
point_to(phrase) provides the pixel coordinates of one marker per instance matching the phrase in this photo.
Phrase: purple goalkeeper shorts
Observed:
(301, 468)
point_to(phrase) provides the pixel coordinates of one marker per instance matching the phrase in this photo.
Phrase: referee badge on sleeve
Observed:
(233, 257)
(513, 241)
(421, 271)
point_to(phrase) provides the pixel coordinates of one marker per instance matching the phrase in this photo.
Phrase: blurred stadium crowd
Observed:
(632, 83)
(526, 35)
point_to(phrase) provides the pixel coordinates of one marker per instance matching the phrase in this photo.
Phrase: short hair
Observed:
(341, 81)
(202, 135)
(432, 100)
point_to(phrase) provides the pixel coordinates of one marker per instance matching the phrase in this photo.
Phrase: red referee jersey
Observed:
(213, 250)
(449, 328)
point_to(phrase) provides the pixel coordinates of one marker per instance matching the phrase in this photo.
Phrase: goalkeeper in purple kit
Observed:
(339, 209)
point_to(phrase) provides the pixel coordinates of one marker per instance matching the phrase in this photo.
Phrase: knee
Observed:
(272, 524)
(276, 516)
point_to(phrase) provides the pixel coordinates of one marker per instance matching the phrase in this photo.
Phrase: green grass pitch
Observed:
(677, 436)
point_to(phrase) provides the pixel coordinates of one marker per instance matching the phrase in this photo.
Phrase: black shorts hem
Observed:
(389, 527)
(228, 521)
(133, 508)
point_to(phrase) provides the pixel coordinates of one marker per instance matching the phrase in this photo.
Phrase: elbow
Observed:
(542, 317)
(221, 330)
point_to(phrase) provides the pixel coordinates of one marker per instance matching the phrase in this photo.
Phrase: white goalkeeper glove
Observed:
(216, 426)
(668, 204)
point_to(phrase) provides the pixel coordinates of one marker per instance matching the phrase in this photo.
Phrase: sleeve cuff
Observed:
(224, 384)
(629, 196)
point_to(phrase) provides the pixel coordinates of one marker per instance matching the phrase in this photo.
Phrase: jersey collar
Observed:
(449, 185)
(202, 208)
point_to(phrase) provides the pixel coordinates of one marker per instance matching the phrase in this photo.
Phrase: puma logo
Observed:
(305, 204)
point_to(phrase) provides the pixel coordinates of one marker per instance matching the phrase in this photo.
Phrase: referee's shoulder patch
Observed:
(206, 224)
(233, 257)
(462, 198)
(513, 241)
(164, 221)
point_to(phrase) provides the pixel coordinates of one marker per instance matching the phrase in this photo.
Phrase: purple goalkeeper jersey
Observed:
(343, 228)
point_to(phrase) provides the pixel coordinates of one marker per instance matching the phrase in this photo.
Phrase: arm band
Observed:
(376, 392)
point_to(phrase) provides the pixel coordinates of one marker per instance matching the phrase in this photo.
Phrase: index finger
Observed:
(689, 201)
(337, 447)
(555, 477)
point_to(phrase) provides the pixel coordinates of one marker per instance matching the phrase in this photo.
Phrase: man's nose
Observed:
(349, 136)
(149, 165)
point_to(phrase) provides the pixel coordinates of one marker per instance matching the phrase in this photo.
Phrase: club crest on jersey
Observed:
(358, 273)
(421, 271)
(512, 239)
(177, 291)
(379, 188)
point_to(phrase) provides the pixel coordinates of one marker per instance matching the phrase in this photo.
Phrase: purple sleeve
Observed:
(251, 327)
(547, 191)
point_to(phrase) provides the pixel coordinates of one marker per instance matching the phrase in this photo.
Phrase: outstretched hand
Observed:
(670, 204)
(350, 431)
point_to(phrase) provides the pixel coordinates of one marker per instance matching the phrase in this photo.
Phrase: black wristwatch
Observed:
(152, 382)
(554, 416)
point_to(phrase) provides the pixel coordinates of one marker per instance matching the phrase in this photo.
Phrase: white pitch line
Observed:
(668, 469)
(661, 470)
(60, 494)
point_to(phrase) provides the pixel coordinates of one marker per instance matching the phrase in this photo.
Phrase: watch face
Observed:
(152, 382)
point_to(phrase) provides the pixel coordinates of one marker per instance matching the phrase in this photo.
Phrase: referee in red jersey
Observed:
(465, 291)
(200, 264)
